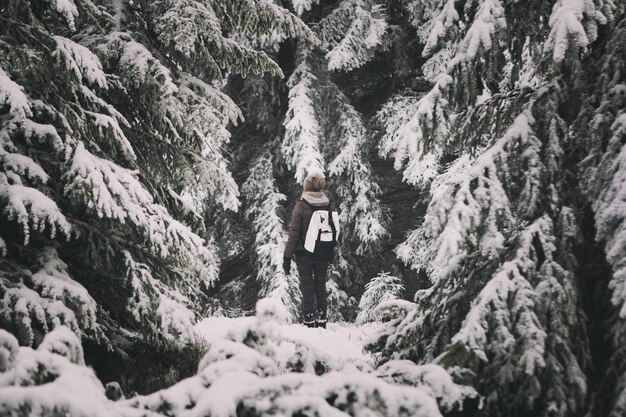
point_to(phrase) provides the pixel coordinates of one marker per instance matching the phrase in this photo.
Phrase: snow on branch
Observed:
(69, 11)
(46, 299)
(303, 135)
(352, 33)
(80, 61)
(431, 378)
(12, 95)
(27, 311)
(432, 32)
(262, 17)
(191, 114)
(264, 204)
(575, 23)
(184, 24)
(110, 191)
(489, 18)
(32, 209)
(302, 6)
(193, 29)
(138, 65)
(53, 281)
(200, 114)
(21, 165)
(415, 131)
(109, 128)
(164, 311)
(469, 206)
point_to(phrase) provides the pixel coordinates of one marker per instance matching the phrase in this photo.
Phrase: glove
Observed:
(286, 265)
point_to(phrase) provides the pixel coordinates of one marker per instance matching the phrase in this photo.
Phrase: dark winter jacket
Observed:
(300, 219)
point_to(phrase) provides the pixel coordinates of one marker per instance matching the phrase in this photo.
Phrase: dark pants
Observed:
(313, 276)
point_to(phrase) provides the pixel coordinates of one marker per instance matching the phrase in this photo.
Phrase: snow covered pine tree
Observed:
(493, 143)
(111, 139)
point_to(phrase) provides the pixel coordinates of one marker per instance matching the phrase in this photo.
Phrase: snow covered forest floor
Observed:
(344, 342)
(253, 366)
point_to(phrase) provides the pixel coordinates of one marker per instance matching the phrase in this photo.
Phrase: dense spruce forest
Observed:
(151, 153)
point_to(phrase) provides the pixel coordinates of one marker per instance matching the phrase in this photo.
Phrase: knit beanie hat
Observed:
(315, 180)
(314, 173)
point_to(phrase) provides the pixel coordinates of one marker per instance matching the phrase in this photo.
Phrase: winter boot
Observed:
(309, 320)
(321, 321)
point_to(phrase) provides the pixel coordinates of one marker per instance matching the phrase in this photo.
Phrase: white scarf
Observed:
(316, 198)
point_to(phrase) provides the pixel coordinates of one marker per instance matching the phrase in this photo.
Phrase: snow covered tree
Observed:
(475, 241)
(602, 127)
(380, 289)
(264, 204)
(303, 133)
(111, 151)
(357, 192)
(491, 141)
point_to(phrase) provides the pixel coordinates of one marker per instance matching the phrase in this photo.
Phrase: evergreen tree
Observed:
(492, 143)
(380, 289)
(264, 204)
(601, 128)
(111, 141)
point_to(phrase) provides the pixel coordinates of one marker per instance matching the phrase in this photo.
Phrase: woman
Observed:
(313, 274)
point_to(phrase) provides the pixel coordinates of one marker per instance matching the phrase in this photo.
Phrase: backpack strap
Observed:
(331, 221)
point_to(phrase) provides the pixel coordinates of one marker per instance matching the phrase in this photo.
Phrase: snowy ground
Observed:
(341, 341)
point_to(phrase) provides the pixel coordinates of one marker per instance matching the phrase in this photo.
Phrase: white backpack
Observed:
(322, 233)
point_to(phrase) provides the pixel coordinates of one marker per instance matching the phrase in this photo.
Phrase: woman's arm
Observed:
(295, 227)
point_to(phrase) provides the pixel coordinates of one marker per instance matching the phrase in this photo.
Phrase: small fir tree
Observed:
(380, 289)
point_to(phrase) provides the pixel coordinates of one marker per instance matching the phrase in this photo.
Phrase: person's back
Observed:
(313, 272)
